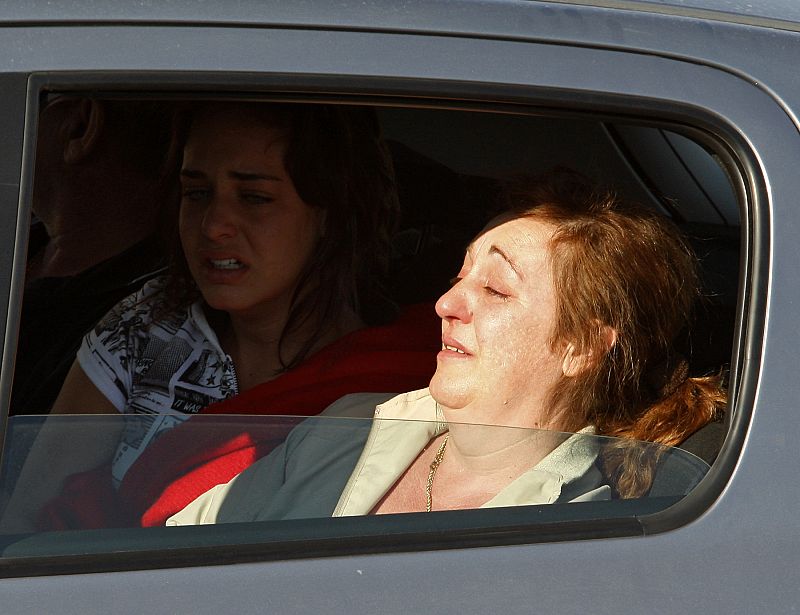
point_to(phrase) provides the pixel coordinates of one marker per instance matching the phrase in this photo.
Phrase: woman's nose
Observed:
(454, 304)
(218, 220)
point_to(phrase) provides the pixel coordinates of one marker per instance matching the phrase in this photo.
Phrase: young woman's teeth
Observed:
(226, 263)
(453, 348)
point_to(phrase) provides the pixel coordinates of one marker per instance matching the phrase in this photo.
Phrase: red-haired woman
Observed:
(562, 319)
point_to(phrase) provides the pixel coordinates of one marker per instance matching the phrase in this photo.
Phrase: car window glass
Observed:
(317, 468)
(450, 166)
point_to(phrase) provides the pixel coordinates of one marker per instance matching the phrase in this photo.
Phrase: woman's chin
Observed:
(446, 393)
(219, 303)
(226, 302)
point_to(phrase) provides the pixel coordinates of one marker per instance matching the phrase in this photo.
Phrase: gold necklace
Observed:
(437, 460)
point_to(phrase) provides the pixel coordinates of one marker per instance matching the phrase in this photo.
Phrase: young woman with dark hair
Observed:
(283, 228)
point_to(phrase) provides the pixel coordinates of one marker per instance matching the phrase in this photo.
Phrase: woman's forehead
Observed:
(523, 236)
(221, 131)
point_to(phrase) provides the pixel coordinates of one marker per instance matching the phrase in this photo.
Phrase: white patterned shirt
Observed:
(160, 370)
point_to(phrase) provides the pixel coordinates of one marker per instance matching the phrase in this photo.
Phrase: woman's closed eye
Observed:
(494, 292)
(490, 289)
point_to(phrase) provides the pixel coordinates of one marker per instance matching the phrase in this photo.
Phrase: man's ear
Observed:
(84, 126)
(576, 362)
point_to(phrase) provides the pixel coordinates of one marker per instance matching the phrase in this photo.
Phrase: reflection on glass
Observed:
(325, 466)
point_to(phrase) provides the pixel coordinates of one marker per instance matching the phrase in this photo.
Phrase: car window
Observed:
(450, 168)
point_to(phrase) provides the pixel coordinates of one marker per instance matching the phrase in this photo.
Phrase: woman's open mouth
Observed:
(226, 263)
(226, 270)
(453, 348)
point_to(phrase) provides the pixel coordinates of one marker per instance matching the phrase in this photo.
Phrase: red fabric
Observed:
(86, 501)
(196, 461)
(190, 459)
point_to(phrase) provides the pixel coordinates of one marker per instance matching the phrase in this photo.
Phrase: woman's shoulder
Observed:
(141, 309)
(152, 292)
(415, 405)
(356, 405)
(383, 405)
(149, 295)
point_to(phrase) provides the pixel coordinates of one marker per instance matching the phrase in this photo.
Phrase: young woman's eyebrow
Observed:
(252, 177)
(237, 175)
(511, 263)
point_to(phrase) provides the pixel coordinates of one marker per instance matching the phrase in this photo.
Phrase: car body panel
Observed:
(737, 552)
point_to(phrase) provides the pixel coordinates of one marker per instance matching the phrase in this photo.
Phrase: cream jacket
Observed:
(343, 467)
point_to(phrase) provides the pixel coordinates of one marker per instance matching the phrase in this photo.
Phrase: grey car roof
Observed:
(774, 13)
(442, 15)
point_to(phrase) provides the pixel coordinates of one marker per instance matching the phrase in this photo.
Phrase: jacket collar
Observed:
(408, 422)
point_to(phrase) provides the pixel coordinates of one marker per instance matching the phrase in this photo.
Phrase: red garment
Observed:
(192, 458)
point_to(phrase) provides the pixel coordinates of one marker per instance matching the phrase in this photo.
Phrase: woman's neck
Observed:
(256, 347)
(487, 450)
(483, 443)
(526, 412)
